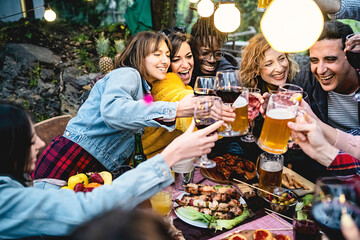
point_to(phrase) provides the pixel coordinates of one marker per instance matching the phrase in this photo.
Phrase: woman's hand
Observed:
(186, 106)
(228, 114)
(191, 144)
(264, 102)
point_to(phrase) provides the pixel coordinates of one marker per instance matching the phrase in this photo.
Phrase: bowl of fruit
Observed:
(281, 200)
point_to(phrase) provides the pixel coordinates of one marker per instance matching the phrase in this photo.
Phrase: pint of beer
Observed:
(270, 169)
(275, 133)
(241, 123)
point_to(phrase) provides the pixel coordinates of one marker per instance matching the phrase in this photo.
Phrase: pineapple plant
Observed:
(106, 64)
(119, 47)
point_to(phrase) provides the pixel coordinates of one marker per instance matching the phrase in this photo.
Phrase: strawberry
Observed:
(79, 187)
(95, 177)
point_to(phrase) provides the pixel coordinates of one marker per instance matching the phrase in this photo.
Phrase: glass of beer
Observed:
(263, 4)
(253, 111)
(161, 202)
(294, 90)
(241, 123)
(270, 169)
(275, 133)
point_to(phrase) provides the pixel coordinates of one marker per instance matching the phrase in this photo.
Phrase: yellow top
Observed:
(171, 89)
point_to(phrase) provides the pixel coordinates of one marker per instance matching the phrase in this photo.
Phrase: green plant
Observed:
(26, 103)
(39, 117)
(35, 75)
(81, 38)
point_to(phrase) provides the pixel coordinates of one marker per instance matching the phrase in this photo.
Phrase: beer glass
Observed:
(241, 123)
(275, 133)
(254, 109)
(294, 90)
(263, 4)
(270, 169)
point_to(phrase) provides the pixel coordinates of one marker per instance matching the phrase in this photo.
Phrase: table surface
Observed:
(260, 220)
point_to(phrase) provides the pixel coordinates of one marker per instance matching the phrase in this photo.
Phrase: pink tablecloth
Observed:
(272, 222)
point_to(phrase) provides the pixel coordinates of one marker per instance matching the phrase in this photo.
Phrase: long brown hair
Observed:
(177, 39)
(253, 55)
(140, 46)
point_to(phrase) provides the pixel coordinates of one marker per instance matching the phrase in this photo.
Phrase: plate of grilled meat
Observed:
(229, 166)
(214, 202)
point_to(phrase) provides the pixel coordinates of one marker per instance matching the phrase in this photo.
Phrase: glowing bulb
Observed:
(193, 1)
(292, 25)
(227, 17)
(49, 15)
(205, 8)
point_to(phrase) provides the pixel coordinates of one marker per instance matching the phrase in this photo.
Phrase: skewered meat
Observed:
(206, 190)
(192, 188)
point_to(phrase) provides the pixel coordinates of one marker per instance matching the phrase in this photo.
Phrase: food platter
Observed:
(197, 223)
(249, 234)
(300, 191)
(216, 175)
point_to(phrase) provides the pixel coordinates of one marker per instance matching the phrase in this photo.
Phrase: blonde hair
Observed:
(253, 56)
(140, 46)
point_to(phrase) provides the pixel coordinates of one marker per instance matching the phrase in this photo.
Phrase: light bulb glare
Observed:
(49, 15)
(205, 8)
(227, 17)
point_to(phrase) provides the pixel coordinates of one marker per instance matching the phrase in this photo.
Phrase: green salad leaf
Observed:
(211, 221)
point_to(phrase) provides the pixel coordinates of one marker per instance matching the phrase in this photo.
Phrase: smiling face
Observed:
(36, 145)
(183, 63)
(275, 67)
(208, 66)
(157, 63)
(331, 68)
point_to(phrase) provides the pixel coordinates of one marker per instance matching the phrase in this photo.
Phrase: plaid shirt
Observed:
(345, 164)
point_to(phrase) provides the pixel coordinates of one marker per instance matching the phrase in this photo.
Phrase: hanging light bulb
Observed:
(193, 1)
(205, 8)
(292, 25)
(49, 14)
(227, 17)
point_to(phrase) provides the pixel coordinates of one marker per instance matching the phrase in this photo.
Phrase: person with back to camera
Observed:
(208, 56)
(174, 88)
(30, 211)
(101, 136)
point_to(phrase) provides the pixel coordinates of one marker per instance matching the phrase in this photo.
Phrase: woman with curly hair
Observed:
(265, 68)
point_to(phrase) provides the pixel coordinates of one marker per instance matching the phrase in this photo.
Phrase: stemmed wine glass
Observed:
(204, 85)
(333, 198)
(254, 109)
(208, 110)
(228, 86)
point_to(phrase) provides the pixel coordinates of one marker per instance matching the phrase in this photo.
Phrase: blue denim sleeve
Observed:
(122, 105)
(58, 212)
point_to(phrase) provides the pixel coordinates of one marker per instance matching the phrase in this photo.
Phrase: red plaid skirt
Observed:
(63, 158)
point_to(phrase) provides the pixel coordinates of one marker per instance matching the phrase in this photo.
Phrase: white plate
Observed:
(193, 222)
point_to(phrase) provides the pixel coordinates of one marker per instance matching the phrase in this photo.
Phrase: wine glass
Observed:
(353, 54)
(207, 111)
(334, 197)
(228, 86)
(204, 85)
(254, 109)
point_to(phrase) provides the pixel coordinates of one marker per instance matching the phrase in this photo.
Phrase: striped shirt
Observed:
(342, 111)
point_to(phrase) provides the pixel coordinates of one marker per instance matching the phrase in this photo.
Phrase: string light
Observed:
(227, 17)
(292, 25)
(49, 14)
(193, 1)
(205, 8)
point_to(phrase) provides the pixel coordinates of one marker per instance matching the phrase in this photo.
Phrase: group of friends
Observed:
(165, 66)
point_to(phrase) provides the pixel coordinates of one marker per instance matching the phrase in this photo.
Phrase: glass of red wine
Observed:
(228, 87)
(204, 85)
(353, 54)
(253, 111)
(208, 110)
(333, 198)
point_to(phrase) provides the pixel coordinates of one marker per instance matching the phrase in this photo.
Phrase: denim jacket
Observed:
(106, 122)
(30, 211)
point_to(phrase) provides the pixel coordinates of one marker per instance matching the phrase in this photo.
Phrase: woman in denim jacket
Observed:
(101, 136)
(28, 211)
